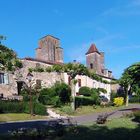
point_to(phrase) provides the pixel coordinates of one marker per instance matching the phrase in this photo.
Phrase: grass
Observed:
(85, 110)
(115, 129)
(19, 117)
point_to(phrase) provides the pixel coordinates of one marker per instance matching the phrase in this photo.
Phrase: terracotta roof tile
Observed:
(92, 49)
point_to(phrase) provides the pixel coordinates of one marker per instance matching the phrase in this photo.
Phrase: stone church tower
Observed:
(95, 60)
(49, 50)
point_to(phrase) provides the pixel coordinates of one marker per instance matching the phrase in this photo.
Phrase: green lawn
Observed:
(19, 117)
(116, 129)
(84, 110)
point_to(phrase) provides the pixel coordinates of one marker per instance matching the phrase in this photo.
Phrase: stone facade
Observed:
(48, 54)
(49, 50)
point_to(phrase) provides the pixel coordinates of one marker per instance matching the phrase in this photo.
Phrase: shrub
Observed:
(11, 107)
(58, 94)
(39, 109)
(67, 109)
(112, 96)
(118, 101)
(84, 101)
(63, 91)
(134, 99)
(85, 91)
(102, 90)
(45, 99)
(56, 101)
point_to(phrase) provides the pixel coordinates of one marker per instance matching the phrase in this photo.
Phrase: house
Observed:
(49, 53)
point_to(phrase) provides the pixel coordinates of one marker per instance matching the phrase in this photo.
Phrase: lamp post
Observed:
(29, 78)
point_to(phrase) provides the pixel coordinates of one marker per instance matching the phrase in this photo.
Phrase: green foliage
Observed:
(118, 101)
(56, 95)
(92, 94)
(134, 99)
(39, 109)
(63, 91)
(67, 109)
(8, 59)
(130, 79)
(79, 101)
(112, 96)
(102, 90)
(11, 107)
(72, 70)
(85, 91)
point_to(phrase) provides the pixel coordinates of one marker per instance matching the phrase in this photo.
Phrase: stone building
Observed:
(49, 50)
(49, 53)
(95, 62)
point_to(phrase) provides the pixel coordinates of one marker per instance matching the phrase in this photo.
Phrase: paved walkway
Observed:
(4, 127)
(113, 114)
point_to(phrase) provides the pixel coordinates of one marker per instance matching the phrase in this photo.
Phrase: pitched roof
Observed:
(92, 49)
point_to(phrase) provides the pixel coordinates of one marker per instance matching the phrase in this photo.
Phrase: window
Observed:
(1, 78)
(91, 65)
(79, 82)
(4, 79)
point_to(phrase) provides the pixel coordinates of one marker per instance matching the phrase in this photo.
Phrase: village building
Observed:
(50, 53)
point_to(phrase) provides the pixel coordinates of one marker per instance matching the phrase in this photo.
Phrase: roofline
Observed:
(42, 61)
(50, 36)
(93, 52)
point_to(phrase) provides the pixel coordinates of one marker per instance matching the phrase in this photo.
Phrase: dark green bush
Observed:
(58, 94)
(134, 99)
(11, 107)
(112, 96)
(55, 101)
(63, 91)
(39, 109)
(85, 91)
(84, 101)
(45, 99)
(102, 90)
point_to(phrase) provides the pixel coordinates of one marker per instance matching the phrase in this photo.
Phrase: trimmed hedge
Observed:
(12, 107)
(134, 99)
(85, 91)
(20, 107)
(84, 101)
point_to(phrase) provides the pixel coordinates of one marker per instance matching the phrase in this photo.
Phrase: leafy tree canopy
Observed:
(8, 59)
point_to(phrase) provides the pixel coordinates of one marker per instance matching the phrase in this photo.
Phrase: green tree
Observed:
(130, 78)
(8, 59)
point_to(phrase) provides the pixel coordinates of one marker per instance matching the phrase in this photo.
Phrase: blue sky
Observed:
(113, 25)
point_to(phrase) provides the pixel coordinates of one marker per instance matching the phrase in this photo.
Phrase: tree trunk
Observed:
(73, 95)
(128, 93)
(126, 103)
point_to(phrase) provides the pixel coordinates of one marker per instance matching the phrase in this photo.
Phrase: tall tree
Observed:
(8, 59)
(130, 78)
